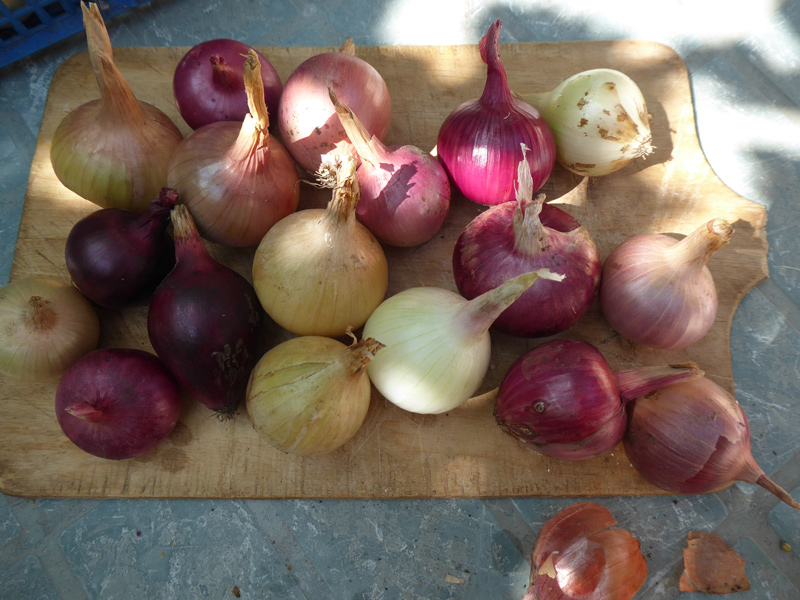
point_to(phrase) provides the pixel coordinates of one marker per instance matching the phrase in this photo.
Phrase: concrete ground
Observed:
(744, 62)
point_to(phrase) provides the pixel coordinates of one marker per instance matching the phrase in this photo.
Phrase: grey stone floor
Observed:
(744, 62)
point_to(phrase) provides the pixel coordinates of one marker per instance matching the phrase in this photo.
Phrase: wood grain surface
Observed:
(395, 454)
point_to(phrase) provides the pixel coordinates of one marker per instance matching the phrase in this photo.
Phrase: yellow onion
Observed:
(320, 271)
(310, 394)
(599, 119)
(113, 151)
(45, 326)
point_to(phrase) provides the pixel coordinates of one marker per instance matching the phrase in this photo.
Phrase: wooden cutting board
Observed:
(395, 454)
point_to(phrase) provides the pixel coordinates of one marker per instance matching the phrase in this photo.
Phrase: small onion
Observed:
(658, 292)
(45, 326)
(479, 141)
(236, 179)
(600, 121)
(437, 343)
(310, 394)
(113, 151)
(306, 118)
(517, 237)
(405, 192)
(117, 403)
(208, 84)
(562, 399)
(320, 271)
(578, 555)
(693, 437)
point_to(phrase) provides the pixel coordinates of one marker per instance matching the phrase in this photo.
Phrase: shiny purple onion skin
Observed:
(486, 255)
(133, 400)
(404, 201)
(117, 257)
(204, 322)
(562, 400)
(479, 142)
(202, 99)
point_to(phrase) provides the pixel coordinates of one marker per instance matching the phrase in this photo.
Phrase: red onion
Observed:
(204, 321)
(692, 438)
(578, 555)
(405, 192)
(208, 84)
(306, 118)
(236, 178)
(117, 402)
(517, 237)
(658, 292)
(479, 141)
(117, 257)
(562, 399)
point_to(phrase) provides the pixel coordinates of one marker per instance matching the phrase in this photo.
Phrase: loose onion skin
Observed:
(45, 326)
(562, 399)
(578, 555)
(117, 257)
(208, 84)
(658, 291)
(310, 394)
(307, 121)
(693, 438)
(113, 151)
(117, 403)
(517, 237)
(479, 141)
(204, 322)
(236, 178)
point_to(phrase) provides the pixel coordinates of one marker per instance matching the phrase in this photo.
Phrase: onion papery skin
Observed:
(209, 87)
(234, 199)
(114, 151)
(307, 121)
(491, 250)
(117, 403)
(320, 271)
(693, 437)
(117, 257)
(657, 291)
(437, 344)
(578, 555)
(204, 322)
(45, 326)
(309, 395)
(599, 119)
(479, 142)
(562, 399)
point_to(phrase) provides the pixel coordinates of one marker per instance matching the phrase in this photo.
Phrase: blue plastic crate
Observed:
(27, 26)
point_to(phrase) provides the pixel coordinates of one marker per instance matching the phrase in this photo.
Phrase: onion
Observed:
(600, 121)
(113, 151)
(320, 271)
(117, 403)
(479, 141)
(45, 326)
(517, 237)
(117, 257)
(306, 118)
(578, 556)
(692, 438)
(237, 179)
(310, 394)
(405, 192)
(562, 399)
(208, 84)
(658, 292)
(437, 343)
(204, 322)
